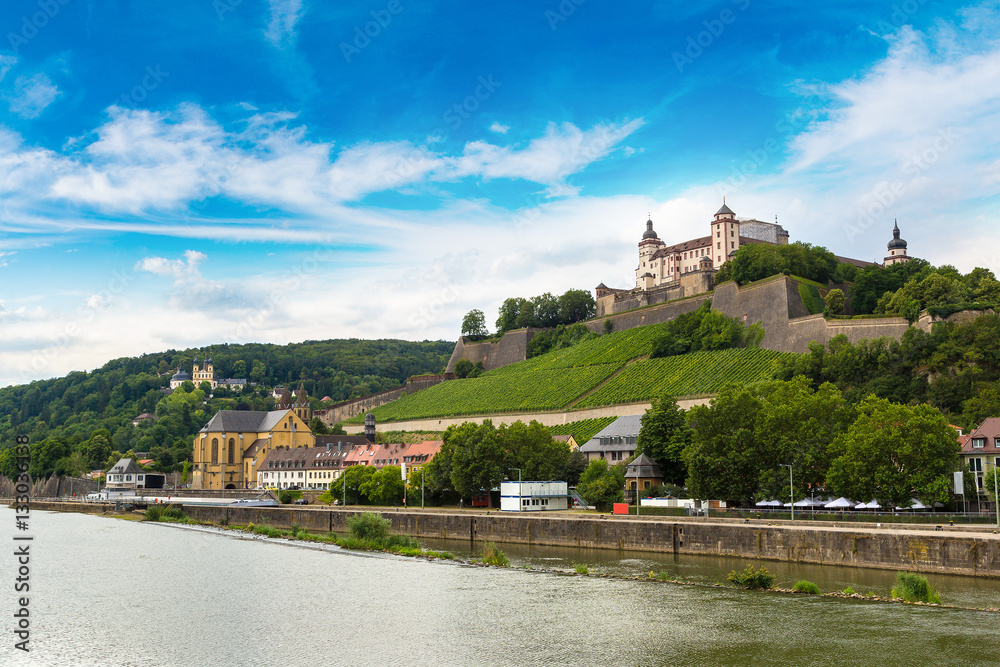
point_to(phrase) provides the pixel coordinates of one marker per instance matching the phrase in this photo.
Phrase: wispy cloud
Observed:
(499, 129)
(32, 94)
(284, 15)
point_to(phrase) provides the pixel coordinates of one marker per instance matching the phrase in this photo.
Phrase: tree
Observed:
(353, 479)
(545, 308)
(663, 435)
(463, 367)
(46, 455)
(258, 372)
(510, 313)
(835, 301)
(478, 460)
(576, 305)
(318, 426)
(474, 325)
(893, 453)
(97, 450)
(602, 485)
(384, 487)
(532, 449)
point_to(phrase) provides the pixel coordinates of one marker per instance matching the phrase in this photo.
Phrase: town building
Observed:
(229, 449)
(126, 476)
(640, 475)
(205, 373)
(144, 417)
(981, 450)
(569, 440)
(615, 443)
(533, 496)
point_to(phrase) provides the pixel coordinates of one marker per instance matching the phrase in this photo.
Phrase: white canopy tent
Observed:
(840, 504)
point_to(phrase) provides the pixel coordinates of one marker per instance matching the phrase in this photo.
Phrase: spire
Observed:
(649, 233)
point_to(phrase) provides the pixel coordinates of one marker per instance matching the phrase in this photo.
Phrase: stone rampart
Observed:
(510, 349)
(347, 409)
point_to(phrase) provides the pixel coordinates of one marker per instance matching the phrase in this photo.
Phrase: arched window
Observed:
(232, 450)
(215, 450)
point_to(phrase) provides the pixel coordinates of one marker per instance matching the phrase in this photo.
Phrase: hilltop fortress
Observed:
(675, 279)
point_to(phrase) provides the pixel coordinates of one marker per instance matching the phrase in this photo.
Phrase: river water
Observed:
(111, 592)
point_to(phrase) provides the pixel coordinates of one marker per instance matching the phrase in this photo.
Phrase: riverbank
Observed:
(948, 551)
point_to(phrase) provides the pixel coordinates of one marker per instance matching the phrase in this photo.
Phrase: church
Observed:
(205, 373)
(666, 273)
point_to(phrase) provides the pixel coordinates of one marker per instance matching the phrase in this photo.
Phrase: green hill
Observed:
(608, 370)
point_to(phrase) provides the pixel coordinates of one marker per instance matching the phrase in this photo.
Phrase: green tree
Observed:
(545, 308)
(318, 426)
(893, 453)
(477, 457)
(532, 449)
(576, 305)
(474, 325)
(510, 313)
(463, 367)
(97, 450)
(258, 372)
(835, 301)
(602, 485)
(239, 369)
(353, 480)
(384, 487)
(46, 455)
(663, 437)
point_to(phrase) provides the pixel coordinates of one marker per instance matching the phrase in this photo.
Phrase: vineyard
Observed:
(694, 374)
(547, 389)
(614, 348)
(582, 430)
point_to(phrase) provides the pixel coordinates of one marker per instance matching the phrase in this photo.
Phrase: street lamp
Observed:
(791, 489)
(518, 487)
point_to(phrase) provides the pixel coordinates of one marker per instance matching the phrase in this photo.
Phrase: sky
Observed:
(187, 173)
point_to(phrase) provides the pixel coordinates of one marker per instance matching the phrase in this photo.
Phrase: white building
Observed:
(533, 496)
(125, 477)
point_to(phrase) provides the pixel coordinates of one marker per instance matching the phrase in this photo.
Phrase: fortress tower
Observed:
(896, 247)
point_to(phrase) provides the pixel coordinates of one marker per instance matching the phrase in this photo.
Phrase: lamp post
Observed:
(518, 487)
(791, 489)
(996, 492)
(637, 492)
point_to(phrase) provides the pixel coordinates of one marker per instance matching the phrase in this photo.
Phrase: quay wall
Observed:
(888, 547)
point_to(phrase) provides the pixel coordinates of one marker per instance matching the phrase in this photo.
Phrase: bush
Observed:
(286, 496)
(153, 513)
(580, 568)
(849, 591)
(752, 579)
(173, 512)
(368, 526)
(806, 587)
(914, 588)
(493, 556)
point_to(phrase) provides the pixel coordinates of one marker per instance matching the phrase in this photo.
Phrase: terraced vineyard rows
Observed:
(692, 374)
(547, 389)
(583, 429)
(614, 348)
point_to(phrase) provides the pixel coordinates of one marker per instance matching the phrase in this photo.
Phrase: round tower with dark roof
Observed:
(897, 248)
(725, 239)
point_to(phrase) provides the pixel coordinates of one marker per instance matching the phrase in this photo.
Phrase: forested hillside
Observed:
(63, 414)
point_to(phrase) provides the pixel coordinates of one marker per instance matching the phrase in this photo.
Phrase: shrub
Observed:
(368, 526)
(663, 576)
(848, 591)
(806, 587)
(493, 556)
(914, 588)
(580, 568)
(153, 513)
(173, 512)
(752, 579)
(286, 496)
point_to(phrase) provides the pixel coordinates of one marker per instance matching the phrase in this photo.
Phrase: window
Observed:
(976, 464)
(718, 234)
(232, 450)
(979, 442)
(215, 450)
(718, 246)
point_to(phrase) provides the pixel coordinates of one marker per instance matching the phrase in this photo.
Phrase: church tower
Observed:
(645, 274)
(301, 407)
(725, 235)
(896, 247)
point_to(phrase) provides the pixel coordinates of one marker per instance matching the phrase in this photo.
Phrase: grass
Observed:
(580, 568)
(806, 587)
(161, 513)
(849, 591)
(811, 298)
(914, 588)
(751, 578)
(492, 555)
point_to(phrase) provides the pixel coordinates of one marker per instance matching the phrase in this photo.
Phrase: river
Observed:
(113, 592)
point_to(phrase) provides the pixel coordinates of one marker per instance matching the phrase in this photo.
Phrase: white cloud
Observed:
(180, 269)
(6, 62)
(284, 14)
(498, 128)
(32, 95)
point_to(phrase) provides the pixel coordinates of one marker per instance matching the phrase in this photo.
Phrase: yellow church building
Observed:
(229, 448)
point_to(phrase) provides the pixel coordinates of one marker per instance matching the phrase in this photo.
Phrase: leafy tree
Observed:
(510, 313)
(477, 457)
(663, 437)
(353, 479)
(562, 336)
(573, 468)
(576, 305)
(8, 463)
(984, 403)
(545, 308)
(474, 325)
(463, 367)
(602, 485)
(258, 371)
(703, 329)
(532, 449)
(318, 426)
(239, 369)
(893, 453)
(97, 450)
(835, 302)
(384, 487)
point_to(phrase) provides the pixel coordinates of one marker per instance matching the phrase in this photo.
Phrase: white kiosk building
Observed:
(533, 496)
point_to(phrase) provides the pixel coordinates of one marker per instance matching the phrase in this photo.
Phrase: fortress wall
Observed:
(649, 315)
(510, 349)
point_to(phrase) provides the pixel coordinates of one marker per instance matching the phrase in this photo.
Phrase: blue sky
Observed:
(191, 172)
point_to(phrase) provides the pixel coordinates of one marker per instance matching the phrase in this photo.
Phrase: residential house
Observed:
(641, 474)
(616, 442)
(981, 449)
(125, 477)
(568, 439)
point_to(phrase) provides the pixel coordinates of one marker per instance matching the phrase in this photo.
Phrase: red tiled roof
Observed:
(988, 433)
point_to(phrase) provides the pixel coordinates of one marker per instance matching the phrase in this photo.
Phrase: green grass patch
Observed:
(752, 579)
(914, 588)
(849, 591)
(811, 298)
(806, 587)
(580, 568)
(492, 555)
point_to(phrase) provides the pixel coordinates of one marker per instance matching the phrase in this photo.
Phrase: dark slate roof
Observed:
(896, 242)
(125, 466)
(623, 426)
(725, 209)
(181, 375)
(255, 447)
(243, 420)
(860, 263)
(646, 467)
(322, 440)
(693, 244)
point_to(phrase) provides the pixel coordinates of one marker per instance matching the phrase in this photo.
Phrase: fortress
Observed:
(672, 280)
